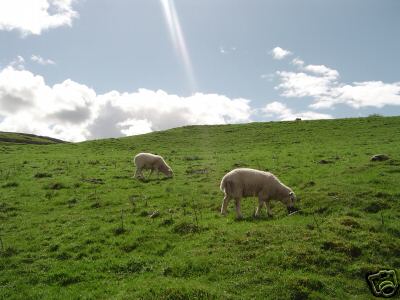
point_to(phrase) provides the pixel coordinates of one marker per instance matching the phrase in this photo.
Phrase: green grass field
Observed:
(75, 224)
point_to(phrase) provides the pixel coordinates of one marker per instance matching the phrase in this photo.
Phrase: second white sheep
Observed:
(152, 162)
(244, 182)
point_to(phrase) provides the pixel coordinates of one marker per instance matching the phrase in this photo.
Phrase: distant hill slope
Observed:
(26, 138)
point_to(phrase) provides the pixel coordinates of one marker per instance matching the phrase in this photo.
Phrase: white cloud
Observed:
(18, 63)
(42, 61)
(322, 70)
(225, 50)
(269, 77)
(135, 126)
(279, 53)
(322, 84)
(34, 16)
(283, 113)
(362, 94)
(74, 112)
(300, 84)
(297, 62)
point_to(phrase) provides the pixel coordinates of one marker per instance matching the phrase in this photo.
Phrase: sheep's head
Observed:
(169, 172)
(291, 199)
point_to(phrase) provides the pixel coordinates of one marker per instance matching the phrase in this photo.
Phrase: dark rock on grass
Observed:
(379, 157)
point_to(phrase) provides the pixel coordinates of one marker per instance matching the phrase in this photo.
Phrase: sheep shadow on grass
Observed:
(253, 219)
(147, 180)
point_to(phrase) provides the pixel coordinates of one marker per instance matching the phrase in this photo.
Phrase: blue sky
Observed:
(89, 69)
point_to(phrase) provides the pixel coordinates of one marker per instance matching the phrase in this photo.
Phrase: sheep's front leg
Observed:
(224, 205)
(260, 205)
(269, 212)
(138, 173)
(238, 213)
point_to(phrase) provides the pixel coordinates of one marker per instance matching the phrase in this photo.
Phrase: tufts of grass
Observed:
(10, 184)
(42, 175)
(55, 186)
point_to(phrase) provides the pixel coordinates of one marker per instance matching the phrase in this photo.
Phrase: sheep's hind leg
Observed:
(225, 205)
(238, 213)
(269, 212)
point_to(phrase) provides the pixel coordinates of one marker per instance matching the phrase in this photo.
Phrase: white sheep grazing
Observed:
(148, 161)
(244, 182)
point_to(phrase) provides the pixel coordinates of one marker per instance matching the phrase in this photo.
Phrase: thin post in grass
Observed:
(2, 245)
(122, 219)
(195, 213)
(316, 223)
(383, 223)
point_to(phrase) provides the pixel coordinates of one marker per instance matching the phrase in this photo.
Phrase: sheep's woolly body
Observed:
(148, 161)
(244, 182)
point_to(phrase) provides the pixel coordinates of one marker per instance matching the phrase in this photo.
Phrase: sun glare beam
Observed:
(178, 40)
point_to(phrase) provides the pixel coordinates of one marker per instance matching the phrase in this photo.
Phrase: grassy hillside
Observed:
(75, 224)
(26, 138)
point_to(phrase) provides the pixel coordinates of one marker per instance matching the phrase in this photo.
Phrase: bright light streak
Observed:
(178, 40)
